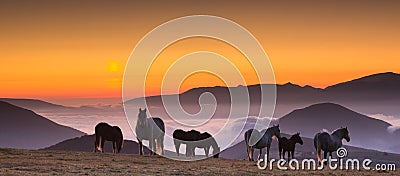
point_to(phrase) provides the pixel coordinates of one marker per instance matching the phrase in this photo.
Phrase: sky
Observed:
(78, 49)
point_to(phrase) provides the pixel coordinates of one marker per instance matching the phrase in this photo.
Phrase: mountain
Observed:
(373, 94)
(381, 86)
(22, 128)
(40, 106)
(307, 151)
(364, 131)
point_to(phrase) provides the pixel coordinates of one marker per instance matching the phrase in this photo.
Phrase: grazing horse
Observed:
(330, 142)
(151, 129)
(194, 139)
(105, 132)
(288, 145)
(260, 140)
(184, 137)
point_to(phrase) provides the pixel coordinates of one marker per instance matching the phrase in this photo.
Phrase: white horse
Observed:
(151, 129)
(330, 142)
(264, 141)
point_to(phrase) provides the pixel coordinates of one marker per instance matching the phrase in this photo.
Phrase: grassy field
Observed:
(28, 162)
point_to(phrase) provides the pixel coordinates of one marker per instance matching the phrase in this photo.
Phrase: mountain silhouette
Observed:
(22, 128)
(41, 106)
(373, 94)
(364, 131)
(381, 86)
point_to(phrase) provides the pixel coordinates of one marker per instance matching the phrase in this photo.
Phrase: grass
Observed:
(32, 162)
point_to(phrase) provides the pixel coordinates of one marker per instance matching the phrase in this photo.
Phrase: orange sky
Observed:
(79, 48)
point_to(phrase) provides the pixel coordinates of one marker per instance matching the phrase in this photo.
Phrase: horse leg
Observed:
(267, 159)
(250, 153)
(102, 146)
(284, 153)
(325, 154)
(206, 150)
(151, 146)
(96, 143)
(187, 150)
(177, 146)
(114, 143)
(161, 142)
(319, 155)
(140, 146)
(259, 154)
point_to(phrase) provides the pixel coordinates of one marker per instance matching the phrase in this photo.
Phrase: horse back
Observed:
(108, 132)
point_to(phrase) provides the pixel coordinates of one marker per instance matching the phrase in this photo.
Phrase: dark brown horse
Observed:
(105, 132)
(288, 145)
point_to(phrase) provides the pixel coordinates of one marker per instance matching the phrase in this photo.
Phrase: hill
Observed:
(86, 144)
(22, 128)
(40, 106)
(364, 131)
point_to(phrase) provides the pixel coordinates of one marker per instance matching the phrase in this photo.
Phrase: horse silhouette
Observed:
(151, 129)
(288, 145)
(330, 142)
(105, 132)
(260, 140)
(194, 139)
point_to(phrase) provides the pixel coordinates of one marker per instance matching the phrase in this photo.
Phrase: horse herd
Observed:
(153, 130)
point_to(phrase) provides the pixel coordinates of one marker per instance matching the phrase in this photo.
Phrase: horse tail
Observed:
(98, 142)
(317, 146)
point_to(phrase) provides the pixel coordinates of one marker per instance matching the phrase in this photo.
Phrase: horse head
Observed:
(216, 152)
(142, 116)
(296, 138)
(275, 131)
(345, 134)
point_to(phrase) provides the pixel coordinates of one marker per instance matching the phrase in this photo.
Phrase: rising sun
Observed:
(113, 66)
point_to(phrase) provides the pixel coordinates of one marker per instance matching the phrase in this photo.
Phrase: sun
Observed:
(113, 66)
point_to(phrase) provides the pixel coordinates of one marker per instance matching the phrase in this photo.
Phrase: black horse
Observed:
(288, 145)
(194, 139)
(105, 132)
(330, 142)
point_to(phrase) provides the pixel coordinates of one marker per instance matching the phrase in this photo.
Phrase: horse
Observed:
(184, 137)
(288, 145)
(330, 142)
(105, 132)
(194, 139)
(205, 141)
(264, 139)
(151, 129)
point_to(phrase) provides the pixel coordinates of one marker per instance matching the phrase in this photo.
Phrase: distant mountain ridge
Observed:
(382, 91)
(22, 128)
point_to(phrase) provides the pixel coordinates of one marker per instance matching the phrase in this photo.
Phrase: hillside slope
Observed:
(22, 128)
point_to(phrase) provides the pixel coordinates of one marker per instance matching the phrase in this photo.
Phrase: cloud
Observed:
(393, 120)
